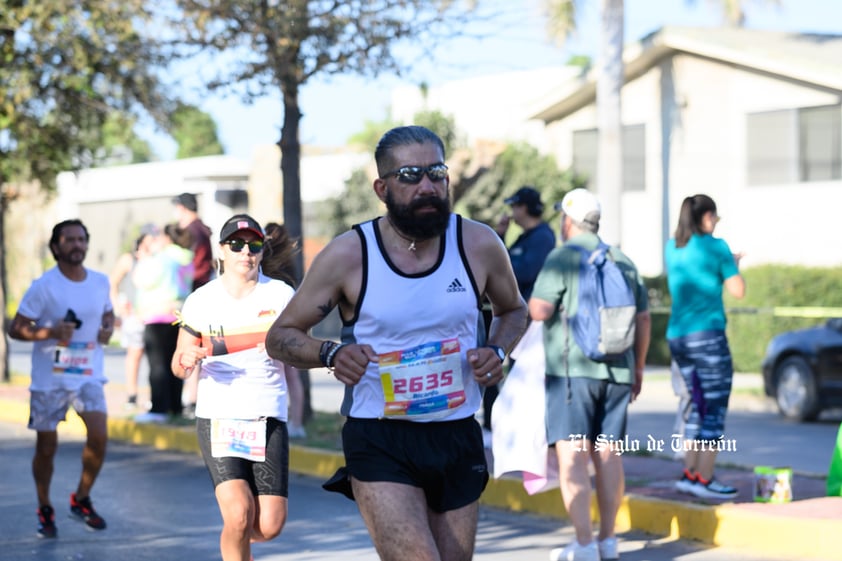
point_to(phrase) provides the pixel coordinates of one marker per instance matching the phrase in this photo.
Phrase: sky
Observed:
(337, 107)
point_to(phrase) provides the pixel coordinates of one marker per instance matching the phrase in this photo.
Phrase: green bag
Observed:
(834, 475)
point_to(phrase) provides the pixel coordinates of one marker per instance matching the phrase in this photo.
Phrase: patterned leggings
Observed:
(704, 360)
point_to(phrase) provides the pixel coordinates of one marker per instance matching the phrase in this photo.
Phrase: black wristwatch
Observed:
(501, 353)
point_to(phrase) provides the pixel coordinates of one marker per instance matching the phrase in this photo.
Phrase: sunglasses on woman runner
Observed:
(255, 246)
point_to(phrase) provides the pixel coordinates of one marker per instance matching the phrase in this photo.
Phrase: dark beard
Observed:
(424, 227)
(72, 257)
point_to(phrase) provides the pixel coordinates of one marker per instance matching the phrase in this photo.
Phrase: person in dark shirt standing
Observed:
(533, 245)
(527, 255)
(186, 210)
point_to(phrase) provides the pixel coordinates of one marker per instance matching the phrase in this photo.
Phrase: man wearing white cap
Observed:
(586, 399)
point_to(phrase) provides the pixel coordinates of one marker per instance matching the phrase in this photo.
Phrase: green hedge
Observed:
(752, 321)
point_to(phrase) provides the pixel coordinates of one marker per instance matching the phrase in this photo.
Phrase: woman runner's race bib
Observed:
(74, 357)
(238, 438)
(424, 382)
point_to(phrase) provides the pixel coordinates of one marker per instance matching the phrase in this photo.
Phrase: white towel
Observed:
(519, 438)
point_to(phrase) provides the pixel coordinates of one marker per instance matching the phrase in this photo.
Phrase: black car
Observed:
(802, 370)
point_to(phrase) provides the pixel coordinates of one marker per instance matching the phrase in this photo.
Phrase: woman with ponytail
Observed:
(698, 266)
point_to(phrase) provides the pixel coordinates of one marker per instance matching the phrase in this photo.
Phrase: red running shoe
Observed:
(83, 511)
(46, 522)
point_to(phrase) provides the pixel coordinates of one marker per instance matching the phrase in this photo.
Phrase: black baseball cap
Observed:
(187, 200)
(240, 222)
(528, 196)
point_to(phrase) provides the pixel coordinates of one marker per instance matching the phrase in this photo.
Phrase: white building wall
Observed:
(714, 161)
(708, 155)
(114, 202)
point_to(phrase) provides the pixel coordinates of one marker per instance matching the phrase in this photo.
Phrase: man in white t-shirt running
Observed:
(67, 313)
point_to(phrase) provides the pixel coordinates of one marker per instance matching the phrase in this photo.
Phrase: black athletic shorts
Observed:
(270, 477)
(445, 459)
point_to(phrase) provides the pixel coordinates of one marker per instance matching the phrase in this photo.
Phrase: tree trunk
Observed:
(609, 121)
(291, 171)
(5, 375)
(291, 178)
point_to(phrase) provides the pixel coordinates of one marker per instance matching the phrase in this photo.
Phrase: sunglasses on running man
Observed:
(411, 175)
(255, 246)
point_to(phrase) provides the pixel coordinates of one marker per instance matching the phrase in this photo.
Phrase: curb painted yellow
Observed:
(790, 537)
(314, 461)
(160, 437)
(510, 494)
(725, 525)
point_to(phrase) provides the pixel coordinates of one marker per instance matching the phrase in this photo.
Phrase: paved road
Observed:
(762, 437)
(160, 507)
(760, 434)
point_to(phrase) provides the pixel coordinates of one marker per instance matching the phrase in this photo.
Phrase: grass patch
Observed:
(750, 392)
(324, 430)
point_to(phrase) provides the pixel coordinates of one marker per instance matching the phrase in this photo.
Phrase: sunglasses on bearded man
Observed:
(412, 175)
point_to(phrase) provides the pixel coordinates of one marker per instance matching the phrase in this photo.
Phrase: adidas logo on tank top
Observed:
(456, 286)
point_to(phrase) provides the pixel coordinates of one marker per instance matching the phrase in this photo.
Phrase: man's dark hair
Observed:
(57, 231)
(401, 136)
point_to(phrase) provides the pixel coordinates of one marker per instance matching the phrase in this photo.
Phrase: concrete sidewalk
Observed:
(803, 529)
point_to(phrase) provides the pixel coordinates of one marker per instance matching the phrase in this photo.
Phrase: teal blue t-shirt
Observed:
(695, 274)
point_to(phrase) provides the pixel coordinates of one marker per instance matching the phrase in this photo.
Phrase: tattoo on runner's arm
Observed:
(293, 347)
(326, 308)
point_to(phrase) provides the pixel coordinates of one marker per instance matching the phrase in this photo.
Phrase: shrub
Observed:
(778, 298)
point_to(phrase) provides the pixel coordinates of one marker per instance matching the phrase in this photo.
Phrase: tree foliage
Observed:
(66, 66)
(120, 143)
(480, 198)
(733, 11)
(356, 204)
(443, 125)
(561, 18)
(518, 165)
(195, 133)
(368, 138)
(274, 47)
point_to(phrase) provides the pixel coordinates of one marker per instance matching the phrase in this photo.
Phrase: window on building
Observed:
(794, 145)
(634, 156)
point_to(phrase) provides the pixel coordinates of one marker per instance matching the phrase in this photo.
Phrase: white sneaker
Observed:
(150, 417)
(576, 552)
(687, 482)
(608, 549)
(713, 489)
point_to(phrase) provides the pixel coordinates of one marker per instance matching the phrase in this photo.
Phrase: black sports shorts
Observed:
(270, 477)
(446, 459)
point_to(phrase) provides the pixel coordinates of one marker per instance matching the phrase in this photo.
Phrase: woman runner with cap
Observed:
(241, 410)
